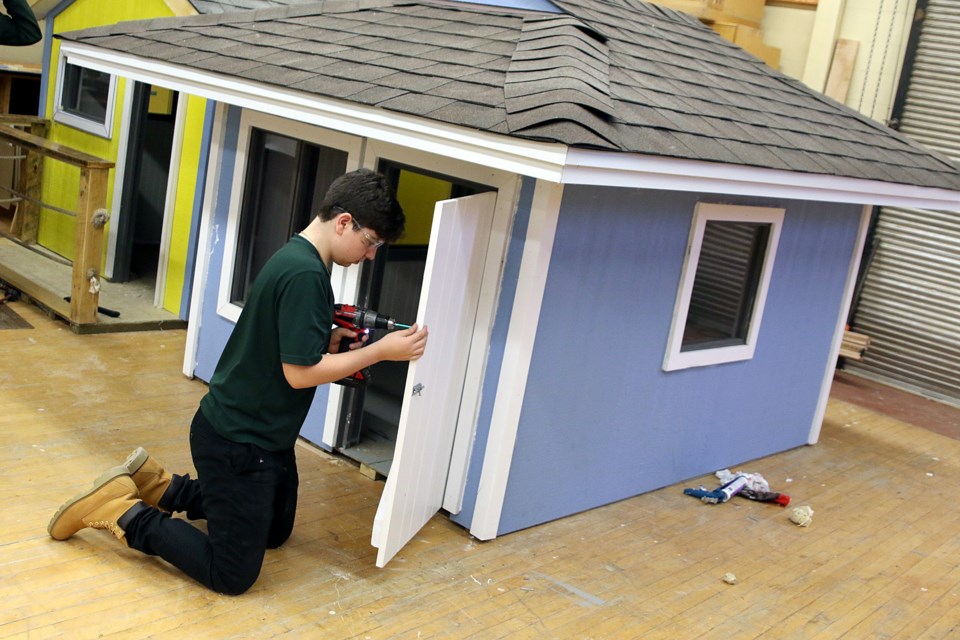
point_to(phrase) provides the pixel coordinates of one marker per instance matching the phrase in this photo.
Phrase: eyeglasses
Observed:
(372, 243)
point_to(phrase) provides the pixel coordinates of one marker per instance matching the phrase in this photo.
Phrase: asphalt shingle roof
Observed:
(226, 6)
(617, 75)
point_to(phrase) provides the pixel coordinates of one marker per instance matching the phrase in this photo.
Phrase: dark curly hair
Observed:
(369, 198)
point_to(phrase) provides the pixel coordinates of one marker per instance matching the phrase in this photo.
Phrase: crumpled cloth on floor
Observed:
(755, 481)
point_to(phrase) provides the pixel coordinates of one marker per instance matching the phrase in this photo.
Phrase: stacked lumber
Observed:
(853, 345)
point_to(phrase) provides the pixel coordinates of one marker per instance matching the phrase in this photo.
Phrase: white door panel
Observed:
(428, 418)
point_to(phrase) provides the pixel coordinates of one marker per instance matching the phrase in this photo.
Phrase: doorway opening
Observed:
(143, 200)
(369, 416)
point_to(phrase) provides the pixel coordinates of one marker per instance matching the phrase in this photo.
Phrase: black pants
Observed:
(248, 497)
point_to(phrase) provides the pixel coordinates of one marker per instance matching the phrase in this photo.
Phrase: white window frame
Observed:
(250, 120)
(102, 129)
(675, 359)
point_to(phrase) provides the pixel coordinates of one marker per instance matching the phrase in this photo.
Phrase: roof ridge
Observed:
(543, 86)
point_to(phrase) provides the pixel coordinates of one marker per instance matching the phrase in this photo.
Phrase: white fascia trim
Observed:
(541, 160)
(590, 167)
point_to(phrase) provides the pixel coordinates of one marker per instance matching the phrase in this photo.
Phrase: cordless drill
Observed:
(363, 321)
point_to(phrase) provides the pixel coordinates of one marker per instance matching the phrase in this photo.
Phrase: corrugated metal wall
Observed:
(910, 300)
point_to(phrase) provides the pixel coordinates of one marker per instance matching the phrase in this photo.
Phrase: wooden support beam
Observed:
(5, 83)
(18, 119)
(52, 149)
(26, 219)
(85, 283)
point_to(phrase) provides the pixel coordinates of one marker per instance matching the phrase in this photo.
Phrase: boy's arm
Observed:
(407, 344)
(19, 27)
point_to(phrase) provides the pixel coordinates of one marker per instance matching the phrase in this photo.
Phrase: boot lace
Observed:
(112, 527)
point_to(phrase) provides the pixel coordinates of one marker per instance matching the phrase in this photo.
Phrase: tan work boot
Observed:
(113, 495)
(148, 474)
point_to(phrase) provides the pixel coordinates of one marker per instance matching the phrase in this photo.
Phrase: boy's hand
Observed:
(340, 334)
(405, 344)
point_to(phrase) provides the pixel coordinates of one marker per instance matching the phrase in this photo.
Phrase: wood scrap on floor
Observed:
(854, 345)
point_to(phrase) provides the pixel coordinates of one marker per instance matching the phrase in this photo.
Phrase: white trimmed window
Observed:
(84, 99)
(724, 285)
(283, 170)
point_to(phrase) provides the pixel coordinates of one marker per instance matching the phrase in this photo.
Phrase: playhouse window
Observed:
(724, 285)
(85, 99)
(286, 179)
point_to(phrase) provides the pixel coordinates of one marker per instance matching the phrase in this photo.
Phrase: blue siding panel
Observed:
(498, 339)
(601, 420)
(215, 329)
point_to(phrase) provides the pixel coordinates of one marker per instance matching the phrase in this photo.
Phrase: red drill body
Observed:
(363, 321)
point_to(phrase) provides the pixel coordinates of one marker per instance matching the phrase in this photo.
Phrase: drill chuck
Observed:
(365, 319)
(369, 319)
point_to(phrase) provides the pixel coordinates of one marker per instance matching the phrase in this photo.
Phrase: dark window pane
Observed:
(285, 182)
(85, 93)
(725, 285)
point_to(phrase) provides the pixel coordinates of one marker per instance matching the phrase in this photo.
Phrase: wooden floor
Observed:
(881, 558)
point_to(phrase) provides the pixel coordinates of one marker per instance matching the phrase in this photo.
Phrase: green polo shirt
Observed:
(287, 317)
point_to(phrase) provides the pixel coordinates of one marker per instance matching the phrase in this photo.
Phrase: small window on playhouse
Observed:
(84, 99)
(724, 285)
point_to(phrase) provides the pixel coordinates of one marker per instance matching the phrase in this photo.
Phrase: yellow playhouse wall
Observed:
(183, 210)
(417, 195)
(61, 182)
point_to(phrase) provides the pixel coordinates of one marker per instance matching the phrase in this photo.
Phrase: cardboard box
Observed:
(745, 12)
(748, 39)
